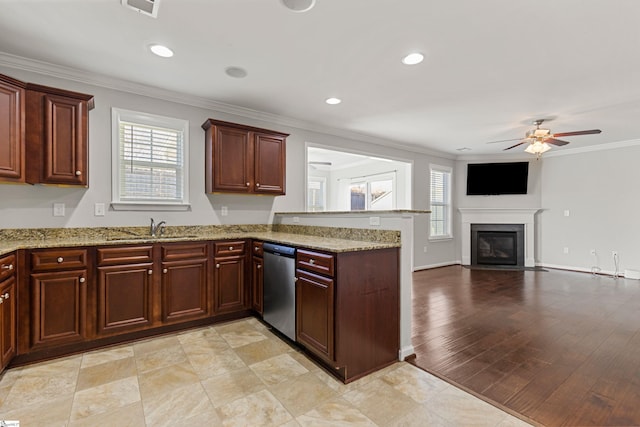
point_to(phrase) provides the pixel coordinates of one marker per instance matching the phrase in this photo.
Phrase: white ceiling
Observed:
(491, 66)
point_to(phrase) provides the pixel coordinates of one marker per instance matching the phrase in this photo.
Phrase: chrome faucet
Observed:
(153, 229)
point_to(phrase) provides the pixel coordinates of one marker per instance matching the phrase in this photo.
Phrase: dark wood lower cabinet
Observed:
(58, 307)
(124, 298)
(229, 285)
(7, 321)
(185, 292)
(315, 317)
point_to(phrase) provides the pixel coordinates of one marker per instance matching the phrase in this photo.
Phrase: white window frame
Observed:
(448, 234)
(367, 180)
(119, 115)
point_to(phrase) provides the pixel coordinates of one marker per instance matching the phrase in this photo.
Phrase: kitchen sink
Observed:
(117, 238)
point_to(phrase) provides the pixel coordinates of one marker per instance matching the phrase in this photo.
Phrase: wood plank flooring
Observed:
(558, 348)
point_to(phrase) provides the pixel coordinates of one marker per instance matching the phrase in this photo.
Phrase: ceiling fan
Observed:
(539, 139)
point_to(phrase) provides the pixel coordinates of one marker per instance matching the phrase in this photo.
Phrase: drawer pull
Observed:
(257, 184)
(1, 300)
(82, 280)
(248, 184)
(6, 295)
(78, 173)
(149, 271)
(257, 248)
(258, 266)
(312, 261)
(217, 265)
(60, 259)
(7, 266)
(230, 248)
(164, 270)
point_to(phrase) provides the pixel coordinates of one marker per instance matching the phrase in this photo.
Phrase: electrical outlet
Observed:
(374, 220)
(58, 209)
(98, 209)
(224, 211)
(592, 251)
(566, 250)
(424, 249)
(296, 219)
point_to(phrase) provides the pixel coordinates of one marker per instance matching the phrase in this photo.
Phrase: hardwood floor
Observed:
(558, 348)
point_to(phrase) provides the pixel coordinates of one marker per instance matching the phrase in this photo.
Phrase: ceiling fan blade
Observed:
(504, 140)
(557, 142)
(514, 146)
(579, 132)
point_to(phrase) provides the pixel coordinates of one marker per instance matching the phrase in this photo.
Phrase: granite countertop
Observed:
(370, 213)
(346, 240)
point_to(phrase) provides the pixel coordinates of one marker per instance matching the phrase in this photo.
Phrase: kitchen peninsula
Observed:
(82, 288)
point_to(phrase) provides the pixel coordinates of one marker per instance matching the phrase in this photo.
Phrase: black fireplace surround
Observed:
(497, 245)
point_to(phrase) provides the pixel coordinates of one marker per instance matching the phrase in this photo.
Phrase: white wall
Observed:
(600, 191)
(27, 206)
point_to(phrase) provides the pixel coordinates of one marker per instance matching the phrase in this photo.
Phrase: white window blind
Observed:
(440, 202)
(150, 167)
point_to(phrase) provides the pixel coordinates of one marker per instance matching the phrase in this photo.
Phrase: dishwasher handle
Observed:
(281, 250)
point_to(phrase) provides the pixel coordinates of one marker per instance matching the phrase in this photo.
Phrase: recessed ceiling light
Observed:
(413, 58)
(236, 72)
(464, 149)
(161, 50)
(333, 101)
(299, 5)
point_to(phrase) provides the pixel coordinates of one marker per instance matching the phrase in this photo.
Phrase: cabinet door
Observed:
(59, 301)
(269, 166)
(12, 154)
(184, 290)
(7, 321)
(257, 280)
(229, 295)
(315, 314)
(124, 298)
(65, 141)
(232, 166)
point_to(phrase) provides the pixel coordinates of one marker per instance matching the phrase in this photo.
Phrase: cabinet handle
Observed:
(217, 265)
(230, 248)
(82, 280)
(7, 266)
(78, 173)
(295, 279)
(248, 184)
(312, 261)
(258, 266)
(257, 184)
(257, 248)
(1, 300)
(60, 259)
(149, 271)
(6, 295)
(164, 270)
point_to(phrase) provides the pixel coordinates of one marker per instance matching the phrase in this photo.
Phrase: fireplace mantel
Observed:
(524, 216)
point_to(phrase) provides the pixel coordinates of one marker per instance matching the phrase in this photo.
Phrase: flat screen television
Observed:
(484, 179)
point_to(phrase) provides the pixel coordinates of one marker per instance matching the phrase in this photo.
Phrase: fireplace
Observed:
(497, 244)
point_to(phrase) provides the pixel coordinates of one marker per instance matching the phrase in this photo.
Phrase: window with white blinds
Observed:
(150, 159)
(440, 202)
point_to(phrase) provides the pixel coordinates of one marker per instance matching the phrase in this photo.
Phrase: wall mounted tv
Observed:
(485, 179)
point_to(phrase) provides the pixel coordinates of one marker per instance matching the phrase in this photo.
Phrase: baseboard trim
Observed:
(579, 269)
(437, 265)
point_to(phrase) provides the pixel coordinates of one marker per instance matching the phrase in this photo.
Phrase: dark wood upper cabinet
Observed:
(12, 149)
(244, 159)
(57, 136)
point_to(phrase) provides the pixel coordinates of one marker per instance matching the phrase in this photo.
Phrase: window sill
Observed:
(125, 206)
(441, 239)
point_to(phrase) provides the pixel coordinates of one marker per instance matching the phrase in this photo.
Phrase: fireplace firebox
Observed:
(497, 244)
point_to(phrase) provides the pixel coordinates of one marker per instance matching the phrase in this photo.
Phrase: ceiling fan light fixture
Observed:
(538, 148)
(298, 5)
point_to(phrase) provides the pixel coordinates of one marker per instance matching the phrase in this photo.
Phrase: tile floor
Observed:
(232, 374)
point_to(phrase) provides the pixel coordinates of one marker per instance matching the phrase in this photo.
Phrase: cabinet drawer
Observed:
(229, 248)
(256, 248)
(7, 266)
(58, 259)
(178, 251)
(125, 255)
(315, 261)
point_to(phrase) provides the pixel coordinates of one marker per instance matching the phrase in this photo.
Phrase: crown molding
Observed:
(101, 80)
(593, 148)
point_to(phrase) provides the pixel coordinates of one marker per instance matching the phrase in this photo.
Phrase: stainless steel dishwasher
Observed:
(279, 303)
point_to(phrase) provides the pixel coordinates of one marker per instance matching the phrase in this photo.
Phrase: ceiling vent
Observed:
(146, 7)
